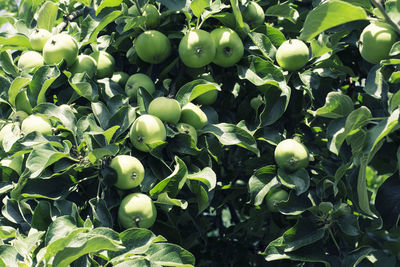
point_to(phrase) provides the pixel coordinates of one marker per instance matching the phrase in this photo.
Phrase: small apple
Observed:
(130, 171)
(254, 14)
(146, 130)
(30, 60)
(207, 98)
(274, 196)
(136, 81)
(292, 55)
(291, 155)
(137, 210)
(84, 63)
(60, 47)
(197, 49)
(152, 46)
(166, 109)
(229, 47)
(120, 77)
(193, 115)
(36, 123)
(376, 40)
(105, 64)
(38, 38)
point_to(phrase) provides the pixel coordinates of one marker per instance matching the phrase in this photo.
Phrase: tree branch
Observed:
(69, 18)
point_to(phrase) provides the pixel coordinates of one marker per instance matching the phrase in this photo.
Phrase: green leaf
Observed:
(16, 85)
(8, 256)
(41, 81)
(6, 62)
(43, 156)
(229, 134)
(176, 5)
(63, 113)
(207, 176)
(193, 89)
(276, 102)
(47, 15)
(165, 199)
(165, 254)
(261, 182)
(174, 182)
(337, 105)
(328, 15)
(387, 201)
(298, 180)
(17, 40)
(340, 130)
(199, 6)
(274, 35)
(107, 3)
(283, 10)
(91, 30)
(264, 44)
(356, 256)
(376, 84)
(348, 223)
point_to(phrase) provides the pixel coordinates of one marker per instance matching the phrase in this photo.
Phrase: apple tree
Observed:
(199, 133)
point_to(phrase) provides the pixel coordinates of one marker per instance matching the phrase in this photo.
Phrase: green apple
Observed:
(130, 171)
(60, 47)
(149, 12)
(376, 41)
(30, 60)
(136, 81)
(152, 46)
(120, 77)
(19, 116)
(229, 47)
(36, 123)
(253, 14)
(292, 55)
(105, 64)
(197, 49)
(137, 210)
(193, 115)
(146, 130)
(274, 196)
(187, 129)
(38, 38)
(166, 109)
(84, 63)
(291, 155)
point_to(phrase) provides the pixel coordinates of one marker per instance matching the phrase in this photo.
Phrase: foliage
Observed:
(59, 205)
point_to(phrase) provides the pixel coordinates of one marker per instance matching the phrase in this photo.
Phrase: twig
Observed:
(379, 5)
(69, 18)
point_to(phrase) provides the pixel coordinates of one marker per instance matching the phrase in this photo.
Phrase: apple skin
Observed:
(60, 47)
(105, 64)
(207, 98)
(136, 81)
(145, 130)
(291, 155)
(84, 63)
(166, 109)
(292, 55)
(130, 171)
(30, 60)
(376, 40)
(36, 123)
(193, 115)
(137, 206)
(38, 38)
(229, 47)
(120, 77)
(152, 46)
(197, 49)
(254, 14)
(274, 196)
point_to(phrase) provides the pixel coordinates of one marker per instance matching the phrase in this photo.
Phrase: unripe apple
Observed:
(105, 64)
(38, 38)
(166, 109)
(136, 81)
(145, 130)
(130, 171)
(137, 210)
(292, 54)
(60, 47)
(84, 63)
(193, 115)
(30, 60)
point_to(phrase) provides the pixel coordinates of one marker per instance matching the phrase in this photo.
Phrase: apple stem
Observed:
(378, 4)
(138, 7)
(137, 221)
